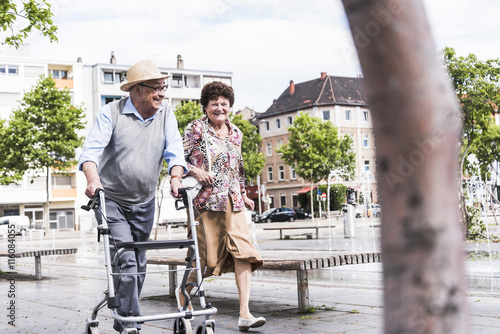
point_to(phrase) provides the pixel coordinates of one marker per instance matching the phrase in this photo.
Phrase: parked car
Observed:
(359, 210)
(277, 215)
(19, 223)
(302, 214)
(374, 210)
(254, 215)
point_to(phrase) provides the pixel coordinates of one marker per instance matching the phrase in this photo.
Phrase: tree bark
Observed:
(416, 125)
(46, 209)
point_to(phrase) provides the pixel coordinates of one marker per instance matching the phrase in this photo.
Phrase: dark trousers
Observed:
(129, 223)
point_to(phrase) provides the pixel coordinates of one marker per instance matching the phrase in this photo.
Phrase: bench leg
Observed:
(172, 279)
(38, 268)
(303, 290)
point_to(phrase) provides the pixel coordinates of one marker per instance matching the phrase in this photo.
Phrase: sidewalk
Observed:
(345, 299)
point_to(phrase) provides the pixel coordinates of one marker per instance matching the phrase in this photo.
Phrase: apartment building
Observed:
(91, 86)
(339, 100)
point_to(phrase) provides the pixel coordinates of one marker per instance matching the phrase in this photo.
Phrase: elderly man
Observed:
(123, 155)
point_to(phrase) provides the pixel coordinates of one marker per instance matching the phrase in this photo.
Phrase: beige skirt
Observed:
(223, 236)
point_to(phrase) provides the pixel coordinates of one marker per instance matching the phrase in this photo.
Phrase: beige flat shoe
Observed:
(246, 324)
(180, 303)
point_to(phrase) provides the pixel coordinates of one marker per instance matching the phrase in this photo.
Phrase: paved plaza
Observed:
(344, 299)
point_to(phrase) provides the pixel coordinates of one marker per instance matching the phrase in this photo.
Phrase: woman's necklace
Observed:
(218, 133)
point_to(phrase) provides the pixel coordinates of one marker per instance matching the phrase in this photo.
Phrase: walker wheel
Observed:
(182, 326)
(92, 330)
(205, 330)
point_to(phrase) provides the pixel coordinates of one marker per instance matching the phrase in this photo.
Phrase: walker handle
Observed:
(95, 202)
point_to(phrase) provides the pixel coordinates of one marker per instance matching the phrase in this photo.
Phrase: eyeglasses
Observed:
(156, 89)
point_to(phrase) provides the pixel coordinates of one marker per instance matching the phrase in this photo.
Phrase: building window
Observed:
(295, 200)
(59, 74)
(269, 174)
(283, 200)
(177, 80)
(13, 70)
(62, 219)
(347, 115)
(33, 71)
(289, 120)
(113, 77)
(107, 99)
(271, 201)
(266, 126)
(293, 174)
(10, 70)
(280, 144)
(278, 123)
(269, 149)
(326, 115)
(351, 135)
(35, 215)
(365, 116)
(108, 77)
(62, 181)
(281, 172)
(367, 166)
(365, 140)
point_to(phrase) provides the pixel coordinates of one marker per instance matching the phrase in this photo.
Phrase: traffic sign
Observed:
(323, 195)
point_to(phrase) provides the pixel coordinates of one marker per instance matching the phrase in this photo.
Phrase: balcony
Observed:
(64, 83)
(64, 193)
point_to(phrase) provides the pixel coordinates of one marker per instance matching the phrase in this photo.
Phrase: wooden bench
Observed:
(37, 254)
(281, 229)
(301, 266)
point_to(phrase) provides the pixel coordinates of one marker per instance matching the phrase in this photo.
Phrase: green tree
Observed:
(253, 158)
(44, 131)
(337, 196)
(12, 165)
(487, 148)
(477, 85)
(32, 15)
(315, 149)
(187, 112)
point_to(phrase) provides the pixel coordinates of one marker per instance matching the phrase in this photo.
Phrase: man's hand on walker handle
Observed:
(175, 185)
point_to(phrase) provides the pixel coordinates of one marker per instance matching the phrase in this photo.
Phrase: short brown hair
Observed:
(215, 89)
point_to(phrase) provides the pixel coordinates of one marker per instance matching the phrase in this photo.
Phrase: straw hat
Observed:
(142, 71)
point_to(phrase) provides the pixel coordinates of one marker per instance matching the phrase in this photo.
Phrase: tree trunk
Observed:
(46, 211)
(416, 125)
(312, 201)
(328, 198)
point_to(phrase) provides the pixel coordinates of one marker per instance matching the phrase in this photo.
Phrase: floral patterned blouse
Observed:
(226, 164)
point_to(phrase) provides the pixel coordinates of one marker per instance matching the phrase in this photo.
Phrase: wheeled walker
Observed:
(182, 322)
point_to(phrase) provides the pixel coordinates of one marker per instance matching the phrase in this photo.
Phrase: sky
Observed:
(264, 43)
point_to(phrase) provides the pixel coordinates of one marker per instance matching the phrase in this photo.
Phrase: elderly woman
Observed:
(221, 202)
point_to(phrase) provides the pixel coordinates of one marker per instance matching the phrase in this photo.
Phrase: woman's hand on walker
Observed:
(204, 177)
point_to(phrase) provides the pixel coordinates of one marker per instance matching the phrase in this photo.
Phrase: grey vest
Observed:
(131, 163)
